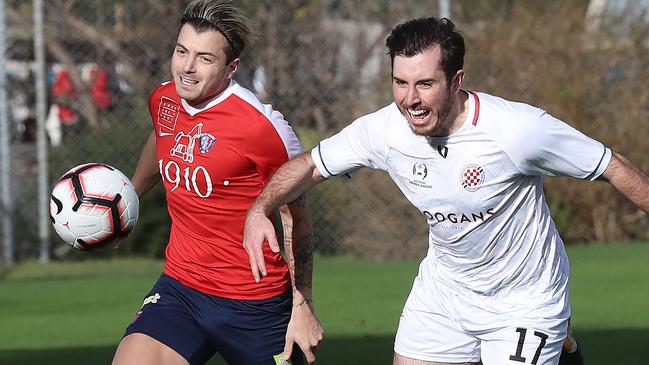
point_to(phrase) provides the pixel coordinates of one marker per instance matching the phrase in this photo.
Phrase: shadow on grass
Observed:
(618, 346)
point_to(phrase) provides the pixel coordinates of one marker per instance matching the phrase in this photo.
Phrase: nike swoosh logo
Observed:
(164, 134)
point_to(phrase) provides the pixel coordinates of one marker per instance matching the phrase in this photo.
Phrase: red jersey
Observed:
(214, 161)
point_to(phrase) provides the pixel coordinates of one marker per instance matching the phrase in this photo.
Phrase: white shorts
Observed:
(449, 326)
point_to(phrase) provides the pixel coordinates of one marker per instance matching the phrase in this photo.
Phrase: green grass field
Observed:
(75, 313)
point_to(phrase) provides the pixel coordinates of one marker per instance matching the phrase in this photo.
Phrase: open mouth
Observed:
(418, 114)
(187, 82)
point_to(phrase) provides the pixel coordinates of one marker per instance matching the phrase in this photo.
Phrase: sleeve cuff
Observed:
(603, 164)
(316, 155)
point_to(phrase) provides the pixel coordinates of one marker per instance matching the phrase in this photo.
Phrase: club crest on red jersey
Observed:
(206, 142)
(472, 177)
(168, 112)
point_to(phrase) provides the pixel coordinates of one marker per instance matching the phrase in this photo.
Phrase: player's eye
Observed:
(180, 51)
(399, 82)
(206, 59)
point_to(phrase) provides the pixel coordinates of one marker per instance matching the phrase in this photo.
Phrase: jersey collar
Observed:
(216, 99)
(474, 107)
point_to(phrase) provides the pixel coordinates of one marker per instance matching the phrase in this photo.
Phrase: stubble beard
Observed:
(438, 127)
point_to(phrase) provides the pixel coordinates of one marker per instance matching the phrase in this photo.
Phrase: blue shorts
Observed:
(197, 325)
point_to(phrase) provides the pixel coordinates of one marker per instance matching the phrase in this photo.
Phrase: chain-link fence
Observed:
(322, 63)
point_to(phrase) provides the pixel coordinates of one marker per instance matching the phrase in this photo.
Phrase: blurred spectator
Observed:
(97, 78)
(64, 96)
(20, 79)
(65, 102)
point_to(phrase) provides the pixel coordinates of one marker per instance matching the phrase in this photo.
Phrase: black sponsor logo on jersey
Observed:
(459, 217)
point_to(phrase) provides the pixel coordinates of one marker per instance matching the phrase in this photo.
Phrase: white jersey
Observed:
(481, 190)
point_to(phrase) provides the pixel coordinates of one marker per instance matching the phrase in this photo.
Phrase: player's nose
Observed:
(190, 64)
(412, 97)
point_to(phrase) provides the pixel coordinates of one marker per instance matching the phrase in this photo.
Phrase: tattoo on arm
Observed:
(303, 302)
(303, 262)
(299, 248)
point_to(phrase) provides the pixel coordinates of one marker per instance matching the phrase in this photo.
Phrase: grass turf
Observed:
(75, 313)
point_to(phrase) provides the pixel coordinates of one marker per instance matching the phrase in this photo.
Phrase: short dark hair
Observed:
(417, 35)
(223, 17)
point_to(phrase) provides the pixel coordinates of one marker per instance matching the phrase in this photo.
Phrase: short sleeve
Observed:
(360, 144)
(548, 146)
(270, 144)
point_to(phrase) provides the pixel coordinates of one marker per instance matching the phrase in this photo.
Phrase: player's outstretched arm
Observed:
(290, 181)
(629, 180)
(146, 173)
(304, 328)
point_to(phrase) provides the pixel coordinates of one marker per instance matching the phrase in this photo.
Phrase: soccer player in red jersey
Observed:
(214, 145)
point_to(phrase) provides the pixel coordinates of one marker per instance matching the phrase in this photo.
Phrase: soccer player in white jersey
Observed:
(494, 284)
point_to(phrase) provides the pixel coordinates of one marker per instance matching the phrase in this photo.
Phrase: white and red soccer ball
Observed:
(93, 206)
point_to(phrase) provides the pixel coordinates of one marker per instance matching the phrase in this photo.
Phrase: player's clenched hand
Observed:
(305, 329)
(258, 228)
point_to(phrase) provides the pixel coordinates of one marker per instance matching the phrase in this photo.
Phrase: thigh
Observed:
(251, 332)
(538, 344)
(139, 349)
(167, 318)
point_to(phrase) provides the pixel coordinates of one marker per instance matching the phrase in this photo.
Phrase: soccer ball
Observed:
(93, 206)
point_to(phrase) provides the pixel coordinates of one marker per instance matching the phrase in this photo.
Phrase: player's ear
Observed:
(233, 67)
(458, 81)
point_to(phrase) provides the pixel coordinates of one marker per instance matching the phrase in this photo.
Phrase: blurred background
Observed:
(78, 74)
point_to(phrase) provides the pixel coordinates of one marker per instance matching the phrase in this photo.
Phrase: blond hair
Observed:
(223, 17)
